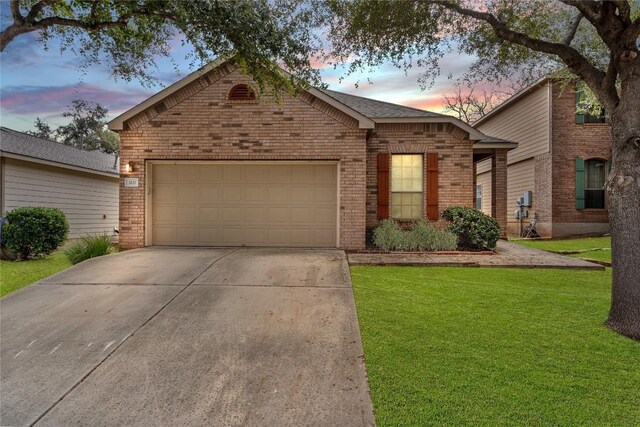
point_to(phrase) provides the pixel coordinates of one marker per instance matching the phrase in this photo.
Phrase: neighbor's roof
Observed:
(28, 147)
(375, 109)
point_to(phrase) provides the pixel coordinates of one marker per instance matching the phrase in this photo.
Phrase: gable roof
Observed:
(366, 111)
(375, 109)
(27, 147)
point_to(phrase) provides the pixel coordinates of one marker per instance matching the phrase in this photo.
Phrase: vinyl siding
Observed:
(85, 198)
(520, 178)
(484, 179)
(525, 122)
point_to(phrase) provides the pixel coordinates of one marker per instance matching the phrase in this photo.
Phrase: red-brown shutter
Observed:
(383, 186)
(432, 187)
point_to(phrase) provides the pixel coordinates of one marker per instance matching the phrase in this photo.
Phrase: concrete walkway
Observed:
(510, 255)
(187, 337)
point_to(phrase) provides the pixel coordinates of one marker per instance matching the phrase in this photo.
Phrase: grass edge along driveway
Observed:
(474, 346)
(15, 275)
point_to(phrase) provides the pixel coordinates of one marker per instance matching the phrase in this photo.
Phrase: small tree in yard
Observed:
(595, 42)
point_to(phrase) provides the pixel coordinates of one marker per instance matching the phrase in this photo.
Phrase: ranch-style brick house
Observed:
(207, 163)
(562, 158)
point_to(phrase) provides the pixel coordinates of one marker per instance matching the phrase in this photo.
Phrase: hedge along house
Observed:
(207, 163)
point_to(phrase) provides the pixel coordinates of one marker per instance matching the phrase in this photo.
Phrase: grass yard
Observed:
(573, 245)
(16, 275)
(474, 346)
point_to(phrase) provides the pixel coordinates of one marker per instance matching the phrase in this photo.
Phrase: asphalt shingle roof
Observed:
(372, 108)
(14, 142)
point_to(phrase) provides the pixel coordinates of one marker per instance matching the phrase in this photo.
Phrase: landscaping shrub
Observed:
(90, 247)
(423, 236)
(34, 232)
(388, 236)
(475, 230)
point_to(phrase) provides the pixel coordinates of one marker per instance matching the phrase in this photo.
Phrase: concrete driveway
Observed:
(165, 336)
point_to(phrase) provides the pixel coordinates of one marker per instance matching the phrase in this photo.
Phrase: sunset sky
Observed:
(35, 82)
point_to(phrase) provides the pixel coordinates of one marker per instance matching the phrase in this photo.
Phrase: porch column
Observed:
(499, 189)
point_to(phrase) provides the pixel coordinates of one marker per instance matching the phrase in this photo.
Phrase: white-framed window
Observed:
(479, 197)
(407, 186)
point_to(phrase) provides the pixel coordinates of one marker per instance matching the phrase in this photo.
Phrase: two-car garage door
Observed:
(243, 204)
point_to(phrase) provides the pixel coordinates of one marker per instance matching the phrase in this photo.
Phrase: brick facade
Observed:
(570, 140)
(198, 122)
(455, 160)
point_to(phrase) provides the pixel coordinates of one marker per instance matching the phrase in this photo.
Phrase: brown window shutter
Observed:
(432, 187)
(383, 186)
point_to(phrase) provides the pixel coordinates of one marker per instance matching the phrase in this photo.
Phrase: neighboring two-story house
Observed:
(562, 158)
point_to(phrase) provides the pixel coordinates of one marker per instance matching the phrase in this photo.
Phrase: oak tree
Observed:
(595, 42)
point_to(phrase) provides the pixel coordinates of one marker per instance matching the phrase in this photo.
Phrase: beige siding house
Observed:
(39, 172)
(554, 144)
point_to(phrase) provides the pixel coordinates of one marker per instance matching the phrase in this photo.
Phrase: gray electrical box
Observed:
(527, 199)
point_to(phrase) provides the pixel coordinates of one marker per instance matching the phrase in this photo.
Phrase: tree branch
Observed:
(36, 9)
(15, 11)
(573, 29)
(570, 56)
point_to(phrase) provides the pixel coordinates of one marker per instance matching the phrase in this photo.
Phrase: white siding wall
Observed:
(520, 178)
(484, 179)
(526, 122)
(85, 198)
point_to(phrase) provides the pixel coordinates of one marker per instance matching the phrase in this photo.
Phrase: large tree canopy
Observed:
(130, 35)
(595, 42)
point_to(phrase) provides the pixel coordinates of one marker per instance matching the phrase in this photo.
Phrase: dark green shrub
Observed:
(475, 230)
(34, 232)
(423, 236)
(90, 247)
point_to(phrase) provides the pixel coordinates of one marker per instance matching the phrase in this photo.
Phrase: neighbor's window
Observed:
(594, 188)
(479, 197)
(406, 186)
(583, 114)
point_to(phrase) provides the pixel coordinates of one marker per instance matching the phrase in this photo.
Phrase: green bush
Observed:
(90, 247)
(475, 230)
(34, 232)
(423, 236)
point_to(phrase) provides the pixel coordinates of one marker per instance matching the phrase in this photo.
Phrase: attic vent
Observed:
(241, 93)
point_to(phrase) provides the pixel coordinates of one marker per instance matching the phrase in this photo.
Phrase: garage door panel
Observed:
(244, 204)
(209, 193)
(208, 215)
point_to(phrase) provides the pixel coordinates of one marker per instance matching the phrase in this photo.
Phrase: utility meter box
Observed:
(527, 199)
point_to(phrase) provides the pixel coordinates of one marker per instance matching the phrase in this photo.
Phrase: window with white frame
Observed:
(479, 197)
(407, 183)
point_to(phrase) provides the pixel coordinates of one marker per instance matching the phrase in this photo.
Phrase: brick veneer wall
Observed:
(569, 140)
(542, 194)
(455, 161)
(199, 123)
(499, 189)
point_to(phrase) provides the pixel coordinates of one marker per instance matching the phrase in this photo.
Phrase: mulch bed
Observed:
(375, 252)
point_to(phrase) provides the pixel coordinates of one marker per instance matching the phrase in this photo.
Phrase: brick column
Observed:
(499, 189)
(475, 183)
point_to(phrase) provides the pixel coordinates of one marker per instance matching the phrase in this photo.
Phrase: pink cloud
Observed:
(44, 100)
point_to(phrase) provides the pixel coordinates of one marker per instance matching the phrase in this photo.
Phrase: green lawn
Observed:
(16, 275)
(473, 346)
(574, 245)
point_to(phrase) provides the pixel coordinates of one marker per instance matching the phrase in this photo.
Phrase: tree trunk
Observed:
(624, 212)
